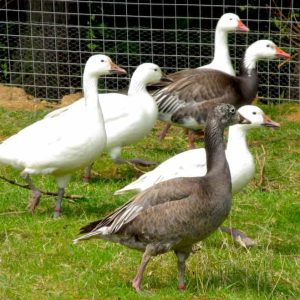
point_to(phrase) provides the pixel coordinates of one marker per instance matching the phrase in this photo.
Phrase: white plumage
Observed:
(229, 22)
(128, 118)
(63, 144)
(193, 162)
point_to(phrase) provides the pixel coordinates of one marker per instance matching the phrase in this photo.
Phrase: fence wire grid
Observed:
(44, 44)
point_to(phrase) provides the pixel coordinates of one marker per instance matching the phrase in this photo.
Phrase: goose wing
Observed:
(201, 85)
(159, 195)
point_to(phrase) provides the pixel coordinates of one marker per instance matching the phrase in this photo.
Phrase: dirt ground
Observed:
(16, 98)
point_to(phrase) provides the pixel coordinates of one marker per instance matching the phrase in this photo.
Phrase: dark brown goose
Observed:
(177, 213)
(185, 102)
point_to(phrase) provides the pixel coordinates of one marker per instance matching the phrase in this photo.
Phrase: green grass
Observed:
(39, 261)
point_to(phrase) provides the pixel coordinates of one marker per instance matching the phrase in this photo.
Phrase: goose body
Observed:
(186, 101)
(175, 214)
(61, 145)
(127, 118)
(192, 163)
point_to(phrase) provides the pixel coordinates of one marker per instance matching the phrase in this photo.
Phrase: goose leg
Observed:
(182, 257)
(239, 236)
(57, 209)
(136, 161)
(87, 173)
(136, 283)
(115, 154)
(61, 183)
(164, 132)
(35, 193)
(192, 137)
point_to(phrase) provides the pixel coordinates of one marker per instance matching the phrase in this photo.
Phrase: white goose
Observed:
(192, 163)
(61, 145)
(128, 118)
(229, 22)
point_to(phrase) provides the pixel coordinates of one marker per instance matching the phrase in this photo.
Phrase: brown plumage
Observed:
(193, 90)
(177, 213)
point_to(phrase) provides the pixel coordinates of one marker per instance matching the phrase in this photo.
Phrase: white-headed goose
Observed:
(185, 102)
(175, 214)
(128, 118)
(229, 22)
(59, 146)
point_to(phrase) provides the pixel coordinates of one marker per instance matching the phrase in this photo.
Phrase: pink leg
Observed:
(136, 283)
(87, 173)
(162, 135)
(191, 138)
(181, 256)
(35, 193)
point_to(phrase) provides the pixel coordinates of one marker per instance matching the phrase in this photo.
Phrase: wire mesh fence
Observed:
(44, 44)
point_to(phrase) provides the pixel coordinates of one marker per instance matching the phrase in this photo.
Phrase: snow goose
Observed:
(192, 95)
(229, 22)
(177, 213)
(59, 146)
(193, 162)
(128, 118)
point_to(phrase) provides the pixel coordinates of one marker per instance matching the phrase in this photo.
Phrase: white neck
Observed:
(136, 85)
(250, 61)
(237, 142)
(221, 52)
(90, 89)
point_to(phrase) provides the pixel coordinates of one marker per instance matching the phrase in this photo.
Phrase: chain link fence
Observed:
(44, 44)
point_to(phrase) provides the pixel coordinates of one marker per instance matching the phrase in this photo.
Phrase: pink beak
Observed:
(241, 26)
(281, 53)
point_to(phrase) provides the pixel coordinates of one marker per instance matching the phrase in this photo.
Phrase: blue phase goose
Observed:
(128, 118)
(59, 146)
(185, 102)
(228, 22)
(193, 162)
(175, 214)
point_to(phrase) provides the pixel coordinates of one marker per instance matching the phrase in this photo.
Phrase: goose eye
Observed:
(155, 70)
(232, 110)
(230, 19)
(254, 113)
(268, 45)
(102, 60)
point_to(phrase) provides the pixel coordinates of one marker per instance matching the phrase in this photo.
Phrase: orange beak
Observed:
(281, 53)
(241, 26)
(115, 69)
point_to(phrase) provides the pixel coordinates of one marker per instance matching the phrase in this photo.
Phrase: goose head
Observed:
(231, 22)
(226, 114)
(262, 49)
(148, 73)
(99, 64)
(254, 117)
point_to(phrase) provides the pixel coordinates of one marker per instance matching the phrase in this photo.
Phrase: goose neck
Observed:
(221, 43)
(90, 89)
(136, 86)
(237, 138)
(215, 149)
(248, 64)
(221, 51)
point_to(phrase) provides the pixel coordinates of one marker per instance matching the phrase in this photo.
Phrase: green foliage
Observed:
(39, 261)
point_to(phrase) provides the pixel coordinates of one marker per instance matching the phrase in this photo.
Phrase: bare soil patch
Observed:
(15, 98)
